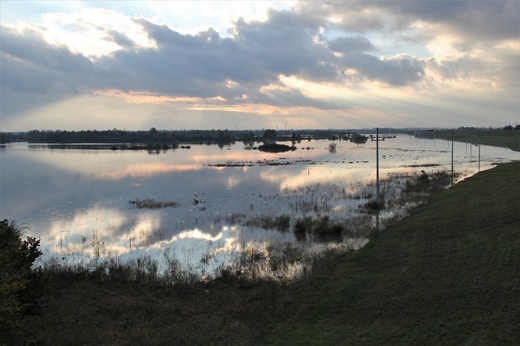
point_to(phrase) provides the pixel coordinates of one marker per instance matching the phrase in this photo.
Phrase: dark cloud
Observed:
(476, 20)
(349, 44)
(30, 47)
(207, 65)
(480, 20)
(29, 64)
(350, 15)
(119, 38)
(257, 54)
(398, 71)
(24, 77)
(283, 45)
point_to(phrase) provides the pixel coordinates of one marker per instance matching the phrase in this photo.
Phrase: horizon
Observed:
(460, 128)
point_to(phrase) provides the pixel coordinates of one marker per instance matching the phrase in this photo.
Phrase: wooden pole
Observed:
(479, 157)
(452, 157)
(377, 167)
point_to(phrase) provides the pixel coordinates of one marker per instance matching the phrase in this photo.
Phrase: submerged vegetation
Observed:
(150, 203)
(280, 223)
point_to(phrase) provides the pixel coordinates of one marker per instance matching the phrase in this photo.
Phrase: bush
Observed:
(21, 287)
(283, 223)
(302, 227)
(321, 229)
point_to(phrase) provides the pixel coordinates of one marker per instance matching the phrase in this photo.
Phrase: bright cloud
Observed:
(94, 32)
(334, 64)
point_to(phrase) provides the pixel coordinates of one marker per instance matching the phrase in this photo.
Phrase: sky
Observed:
(134, 65)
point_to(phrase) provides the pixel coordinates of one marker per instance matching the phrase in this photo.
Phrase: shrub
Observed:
(284, 221)
(321, 229)
(21, 286)
(302, 227)
(281, 223)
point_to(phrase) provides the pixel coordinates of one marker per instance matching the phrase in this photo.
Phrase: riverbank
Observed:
(448, 274)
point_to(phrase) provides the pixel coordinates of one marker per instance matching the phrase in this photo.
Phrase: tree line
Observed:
(173, 137)
(122, 136)
(154, 136)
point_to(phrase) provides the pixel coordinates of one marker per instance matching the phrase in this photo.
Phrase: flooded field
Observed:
(202, 207)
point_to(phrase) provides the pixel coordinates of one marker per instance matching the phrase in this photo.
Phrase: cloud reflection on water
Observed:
(110, 233)
(109, 230)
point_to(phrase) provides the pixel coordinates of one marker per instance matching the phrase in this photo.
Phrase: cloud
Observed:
(258, 53)
(120, 39)
(31, 65)
(347, 44)
(202, 65)
(299, 58)
(94, 32)
(476, 20)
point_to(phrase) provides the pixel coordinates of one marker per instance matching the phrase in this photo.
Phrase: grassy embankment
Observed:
(500, 138)
(448, 274)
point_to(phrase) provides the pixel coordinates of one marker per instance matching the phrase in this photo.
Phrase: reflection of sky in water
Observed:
(77, 201)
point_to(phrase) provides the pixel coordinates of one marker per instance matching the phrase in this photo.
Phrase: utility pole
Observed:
(378, 195)
(377, 139)
(451, 157)
(478, 135)
(377, 166)
(378, 198)
(478, 157)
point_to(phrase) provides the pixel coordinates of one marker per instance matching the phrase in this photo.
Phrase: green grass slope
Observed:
(499, 138)
(448, 274)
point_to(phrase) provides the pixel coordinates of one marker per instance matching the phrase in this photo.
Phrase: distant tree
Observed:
(152, 134)
(249, 139)
(269, 136)
(224, 138)
(508, 127)
(295, 138)
(21, 286)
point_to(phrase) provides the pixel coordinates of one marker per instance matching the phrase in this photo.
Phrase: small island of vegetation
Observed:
(276, 148)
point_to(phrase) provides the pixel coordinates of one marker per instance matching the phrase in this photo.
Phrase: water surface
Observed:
(77, 200)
